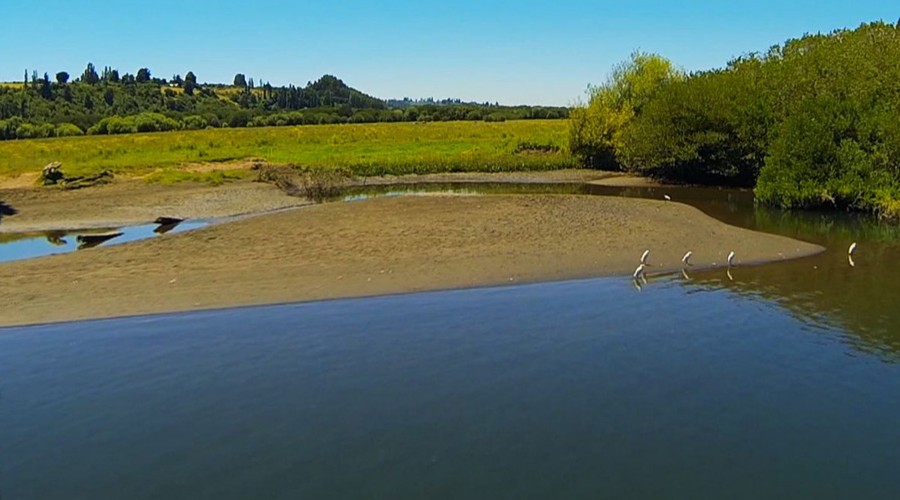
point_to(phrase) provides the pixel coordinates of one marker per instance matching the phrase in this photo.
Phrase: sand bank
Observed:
(373, 247)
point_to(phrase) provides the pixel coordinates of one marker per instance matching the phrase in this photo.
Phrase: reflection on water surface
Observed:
(18, 246)
(861, 299)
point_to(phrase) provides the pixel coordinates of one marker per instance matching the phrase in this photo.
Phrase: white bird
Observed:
(667, 197)
(686, 260)
(731, 259)
(638, 272)
(644, 256)
(852, 248)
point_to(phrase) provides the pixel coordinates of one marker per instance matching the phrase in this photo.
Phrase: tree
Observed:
(62, 78)
(240, 80)
(595, 133)
(90, 75)
(46, 88)
(177, 80)
(143, 75)
(190, 83)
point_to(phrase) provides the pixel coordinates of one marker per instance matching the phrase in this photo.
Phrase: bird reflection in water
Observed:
(92, 240)
(56, 238)
(166, 224)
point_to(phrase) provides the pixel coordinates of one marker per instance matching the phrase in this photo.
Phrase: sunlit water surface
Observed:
(780, 382)
(19, 246)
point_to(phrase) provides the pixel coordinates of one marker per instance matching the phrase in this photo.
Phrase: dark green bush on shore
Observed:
(144, 122)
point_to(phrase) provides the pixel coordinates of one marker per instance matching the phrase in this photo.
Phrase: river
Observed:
(779, 381)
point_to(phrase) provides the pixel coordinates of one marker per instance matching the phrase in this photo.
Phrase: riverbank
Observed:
(138, 202)
(372, 247)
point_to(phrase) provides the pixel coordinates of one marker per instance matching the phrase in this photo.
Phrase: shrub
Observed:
(68, 130)
(194, 122)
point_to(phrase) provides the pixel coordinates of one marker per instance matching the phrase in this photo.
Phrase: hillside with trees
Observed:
(109, 102)
(814, 122)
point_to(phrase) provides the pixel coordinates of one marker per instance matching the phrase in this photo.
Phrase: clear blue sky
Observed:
(508, 51)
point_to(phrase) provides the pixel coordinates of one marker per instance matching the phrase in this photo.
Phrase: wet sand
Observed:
(372, 247)
(136, 202)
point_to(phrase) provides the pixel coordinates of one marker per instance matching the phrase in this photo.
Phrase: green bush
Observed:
(194, 122)
(68, 130)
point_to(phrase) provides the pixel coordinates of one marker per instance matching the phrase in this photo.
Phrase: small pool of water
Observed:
(19, 246)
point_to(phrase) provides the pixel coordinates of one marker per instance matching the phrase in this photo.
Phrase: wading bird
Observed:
(731, 259)
(644, 257)
(852, 248)
(638, 272)
(686, 260)
(667, 197)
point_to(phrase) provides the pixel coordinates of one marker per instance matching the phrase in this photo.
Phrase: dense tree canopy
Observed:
(813, 122)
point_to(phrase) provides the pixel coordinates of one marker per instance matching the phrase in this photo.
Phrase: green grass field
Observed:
(366, 149)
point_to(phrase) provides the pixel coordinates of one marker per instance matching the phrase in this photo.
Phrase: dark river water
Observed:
(780, 381)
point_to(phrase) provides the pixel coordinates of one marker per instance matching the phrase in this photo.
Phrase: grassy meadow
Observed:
(366, 149)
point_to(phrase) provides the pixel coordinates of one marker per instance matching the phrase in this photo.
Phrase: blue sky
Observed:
(513, 52)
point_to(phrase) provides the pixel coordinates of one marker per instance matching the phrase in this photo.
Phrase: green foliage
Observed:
(143, 75)
(709, 129)
(596, 130)
(68, 130)
(90, 75)
(194, 122)
(837, 141)
(144, 122)
(812, 123)
(829, 154)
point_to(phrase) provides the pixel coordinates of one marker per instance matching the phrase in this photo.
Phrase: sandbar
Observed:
(295, 251)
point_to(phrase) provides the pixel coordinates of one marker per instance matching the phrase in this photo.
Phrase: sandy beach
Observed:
(295, 251)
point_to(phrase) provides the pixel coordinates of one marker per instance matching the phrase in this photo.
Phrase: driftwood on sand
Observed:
(52, 175)
(6, 210)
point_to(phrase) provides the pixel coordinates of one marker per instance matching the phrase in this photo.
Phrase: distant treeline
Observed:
(814, 122)
(108, 102)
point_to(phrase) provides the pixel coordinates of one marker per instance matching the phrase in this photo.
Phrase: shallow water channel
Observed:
(28, 245)
(778, 382)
